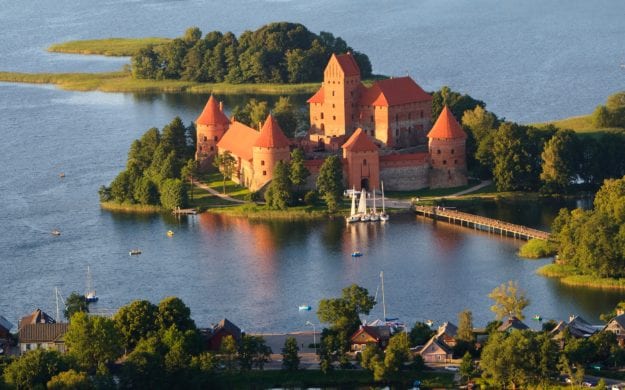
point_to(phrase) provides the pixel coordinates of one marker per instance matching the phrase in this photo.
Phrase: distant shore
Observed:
(114, 47)
(570, 276)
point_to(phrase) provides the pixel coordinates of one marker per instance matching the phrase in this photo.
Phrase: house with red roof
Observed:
(381, 132)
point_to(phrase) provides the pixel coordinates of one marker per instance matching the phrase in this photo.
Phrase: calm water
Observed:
(256, 274)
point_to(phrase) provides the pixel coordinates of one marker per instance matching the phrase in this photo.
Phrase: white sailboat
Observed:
(90, 295)
(392, 322)
(353, 217)
(374, 213)
(362, 206)
(383, 216)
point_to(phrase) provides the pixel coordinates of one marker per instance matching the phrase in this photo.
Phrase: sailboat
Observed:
(393, 322)
(383, 216)
(353, 217)
(362, 206)
(374, 213)
(90, 295)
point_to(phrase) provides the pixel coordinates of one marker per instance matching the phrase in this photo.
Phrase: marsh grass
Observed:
(114, 47)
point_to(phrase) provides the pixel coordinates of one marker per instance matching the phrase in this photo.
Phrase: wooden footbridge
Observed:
(480, 223)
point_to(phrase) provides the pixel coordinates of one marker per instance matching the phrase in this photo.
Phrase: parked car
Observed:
(452, 368)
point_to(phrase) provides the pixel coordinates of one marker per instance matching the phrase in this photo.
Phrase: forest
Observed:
(275, 53)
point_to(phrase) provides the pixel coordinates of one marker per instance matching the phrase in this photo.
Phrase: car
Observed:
(452, 368)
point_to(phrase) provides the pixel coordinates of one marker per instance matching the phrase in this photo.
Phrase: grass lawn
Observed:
(215, 181)
(580, 124)
(108, 47)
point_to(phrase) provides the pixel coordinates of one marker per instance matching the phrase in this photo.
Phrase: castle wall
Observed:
(207, 138)
(405, 172)
(264, 162)
(447, 178)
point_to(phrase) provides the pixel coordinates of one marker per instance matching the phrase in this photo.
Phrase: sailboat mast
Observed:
(56, 296)
(383, 302)
(383, 209)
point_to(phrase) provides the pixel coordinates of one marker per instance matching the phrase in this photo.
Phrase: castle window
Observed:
(333, 95)
(205, 138)
(455, 162)
(212, 148)
(322, 115)
(452, 151)
(396, 117)
(421, 113)
(262, 162)
(200, 148)
(364, 162)
(264, 173)
(333, 117)
(438, 151)
(216, 138)
(371, 118)
(444, 162)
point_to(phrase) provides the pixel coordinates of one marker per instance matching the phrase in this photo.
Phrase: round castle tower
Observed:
(270, 147)
(447, 149)
(211, 126)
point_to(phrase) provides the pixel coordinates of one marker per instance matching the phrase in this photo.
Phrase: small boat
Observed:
(62, 175)
(383, 216)
(537, 317)
(170, 233)
(304, 308)
(134, 252)
(55, 232)
(362, 206)
(353, 217)
(90, 295)
(374, 216)
(429, 323)
(356, 254)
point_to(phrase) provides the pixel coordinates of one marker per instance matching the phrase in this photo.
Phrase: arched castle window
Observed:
(264, 173)
(455, 162)
(438, 151)
(200, 148)
(322, 115)
(333, 95)
(364, 162)
(212, 148)
(262, 162)
(205, 138)
(333, 117)
(332, 105)
(452, 151)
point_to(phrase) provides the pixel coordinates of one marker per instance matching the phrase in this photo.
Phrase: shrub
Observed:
(310, 198)
(536, 249)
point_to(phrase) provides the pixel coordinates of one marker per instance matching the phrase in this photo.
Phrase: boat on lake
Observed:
(304, 308)
(90, 295)
(353, 217)
(356, 254)
(62, 175)
(362, 206)
(55, 232)
(170, 233)
(537, 317)
(134, 252)
(374, 216)
(383, 216)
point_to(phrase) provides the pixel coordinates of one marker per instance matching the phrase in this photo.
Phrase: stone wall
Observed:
(404, 175)
(447, 178)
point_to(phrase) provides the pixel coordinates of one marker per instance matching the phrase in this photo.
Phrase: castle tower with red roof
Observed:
(270, 147)
(447, 149)
(363, 161)
(211, 126)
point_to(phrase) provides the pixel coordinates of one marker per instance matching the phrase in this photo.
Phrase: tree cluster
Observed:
(288, 179)
(156, 163)
(275, 53)
(290, 118)
(593, 241)
(391, 360)
(612, 114)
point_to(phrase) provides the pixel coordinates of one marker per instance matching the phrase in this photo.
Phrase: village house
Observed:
(617, 326)
(436, 351)
(385, 133)
(223, 329)
(39, 330)
(365, 335)
(447, 334)
(512, 323)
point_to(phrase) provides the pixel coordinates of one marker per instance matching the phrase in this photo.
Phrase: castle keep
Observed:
(381, 132)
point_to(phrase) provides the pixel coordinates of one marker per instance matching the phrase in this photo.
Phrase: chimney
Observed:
(260, 125)
(221, 106)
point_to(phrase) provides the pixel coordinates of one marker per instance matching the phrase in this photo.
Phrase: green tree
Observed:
(290, 356)
(330, 182)
(145, 64)
(192, 35)
(457, 102)
(253, 352)
(372, 359)
(512, 167)
(397, 352)
(509, 300)
(146, 192)
(225, 162)
(420, 334)
(285, 113)
(135, 321)
(343, 314)
(75, 303)
(480, 125)
(70, 380)
(466, 366)
(93, 341)
(173, 194)
(144, 368)
(465, 326)
(190, 171)
(121, 188)
(298, 173)
(34, 369)
(228, 352)
(560, 161)
(278, 194)
(172, 311)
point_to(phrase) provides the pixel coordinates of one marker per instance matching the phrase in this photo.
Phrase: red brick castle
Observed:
(381, 129)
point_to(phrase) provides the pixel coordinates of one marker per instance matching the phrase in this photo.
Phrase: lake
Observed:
(522, 59)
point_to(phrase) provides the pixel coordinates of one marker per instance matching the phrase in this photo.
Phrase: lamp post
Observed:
(314, 335)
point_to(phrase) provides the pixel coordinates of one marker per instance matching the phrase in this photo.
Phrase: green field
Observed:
(116, 47)
(123, 82)
(581, 124)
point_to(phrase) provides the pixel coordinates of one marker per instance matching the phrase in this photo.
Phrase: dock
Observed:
(477, 222)
(180, 211)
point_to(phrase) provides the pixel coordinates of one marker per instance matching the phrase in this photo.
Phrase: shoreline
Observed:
(568, 275)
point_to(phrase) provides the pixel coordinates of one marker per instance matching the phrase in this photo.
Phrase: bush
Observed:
(310, 198)
(536, 249)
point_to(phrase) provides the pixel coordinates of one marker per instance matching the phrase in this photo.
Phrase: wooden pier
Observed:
(481, 223)
(179, 211)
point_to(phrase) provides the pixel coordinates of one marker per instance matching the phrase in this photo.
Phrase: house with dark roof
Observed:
(382, 131)
(512, 323)
(447, 334)
(223, 329)
(617, 326)
(436, 351)
(577, 327)
(36, 317)
(365, 335)
(38, 335)
(5, 329)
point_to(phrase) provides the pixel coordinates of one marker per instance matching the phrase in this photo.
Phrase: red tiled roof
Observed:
(36, 317)
(271, 135)
(317, 97)
(447, 127)
(239, 140)
(34, 333)
(360, 142)
(348, 64)
(395, 91)
(212, 115)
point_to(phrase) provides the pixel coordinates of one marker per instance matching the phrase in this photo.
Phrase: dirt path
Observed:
(218, 194)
